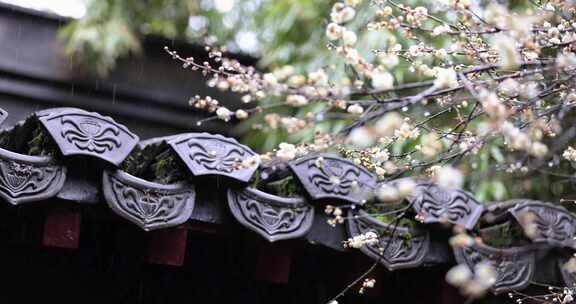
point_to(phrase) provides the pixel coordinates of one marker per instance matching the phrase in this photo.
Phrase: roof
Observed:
(89, 159)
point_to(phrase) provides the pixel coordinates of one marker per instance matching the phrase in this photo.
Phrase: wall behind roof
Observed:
(149, 93)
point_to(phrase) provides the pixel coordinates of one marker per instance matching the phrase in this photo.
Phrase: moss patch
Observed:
(287, 187)
(388, 212)
(156, 163)
(41, 143)
(505, 236)
(29, 138)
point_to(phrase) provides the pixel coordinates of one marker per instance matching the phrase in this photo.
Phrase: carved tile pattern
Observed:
(79, 132)
(3, 115)
(145, 205)
(274, 218)
(401, 253)
(88, 134)
(207, 154)
(436, 205)
(27, 178)
(554, 224)
(569, 278)
(333, 178)
(514, 267)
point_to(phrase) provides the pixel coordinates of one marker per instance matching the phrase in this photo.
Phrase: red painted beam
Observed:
(167, 246)
(62, 228)
(273, 264)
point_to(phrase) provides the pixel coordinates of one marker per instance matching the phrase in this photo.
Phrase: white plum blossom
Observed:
(380, 171)
(251, 161)
(406, 131)
(485, 274)
(386, 125)
(509, 88)
(441, 29)
(270, 79)
(406, 187)
(319, 77)
(334, 31)
(387, 11)
(441, 54)
(387, 193)
(519, 141)
(348, 13)
(284, 72)
(472, 283)
(507, 51)
(566, 61)
(223, 113)
(355, 109)
(449, 178)
(360, 137)
(390, 167)
(296, 100)
(389, 61)
(246, 98)
(297, 80)
(349, 37)
(430, 145)
(417, 15)
(570, 265)
(286, 151)
(538, 149)
(459, 275)
(446, 78)
(569, 154)
(493, 105)
(342, 13)
(383, 155)
(496, 14)
(241, 114)
(382, 80)
(461, 240)
(369, 283)
(529, 90)
(357, 241)
(415, 51)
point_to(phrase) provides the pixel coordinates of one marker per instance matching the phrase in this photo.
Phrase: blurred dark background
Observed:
(148, 93)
